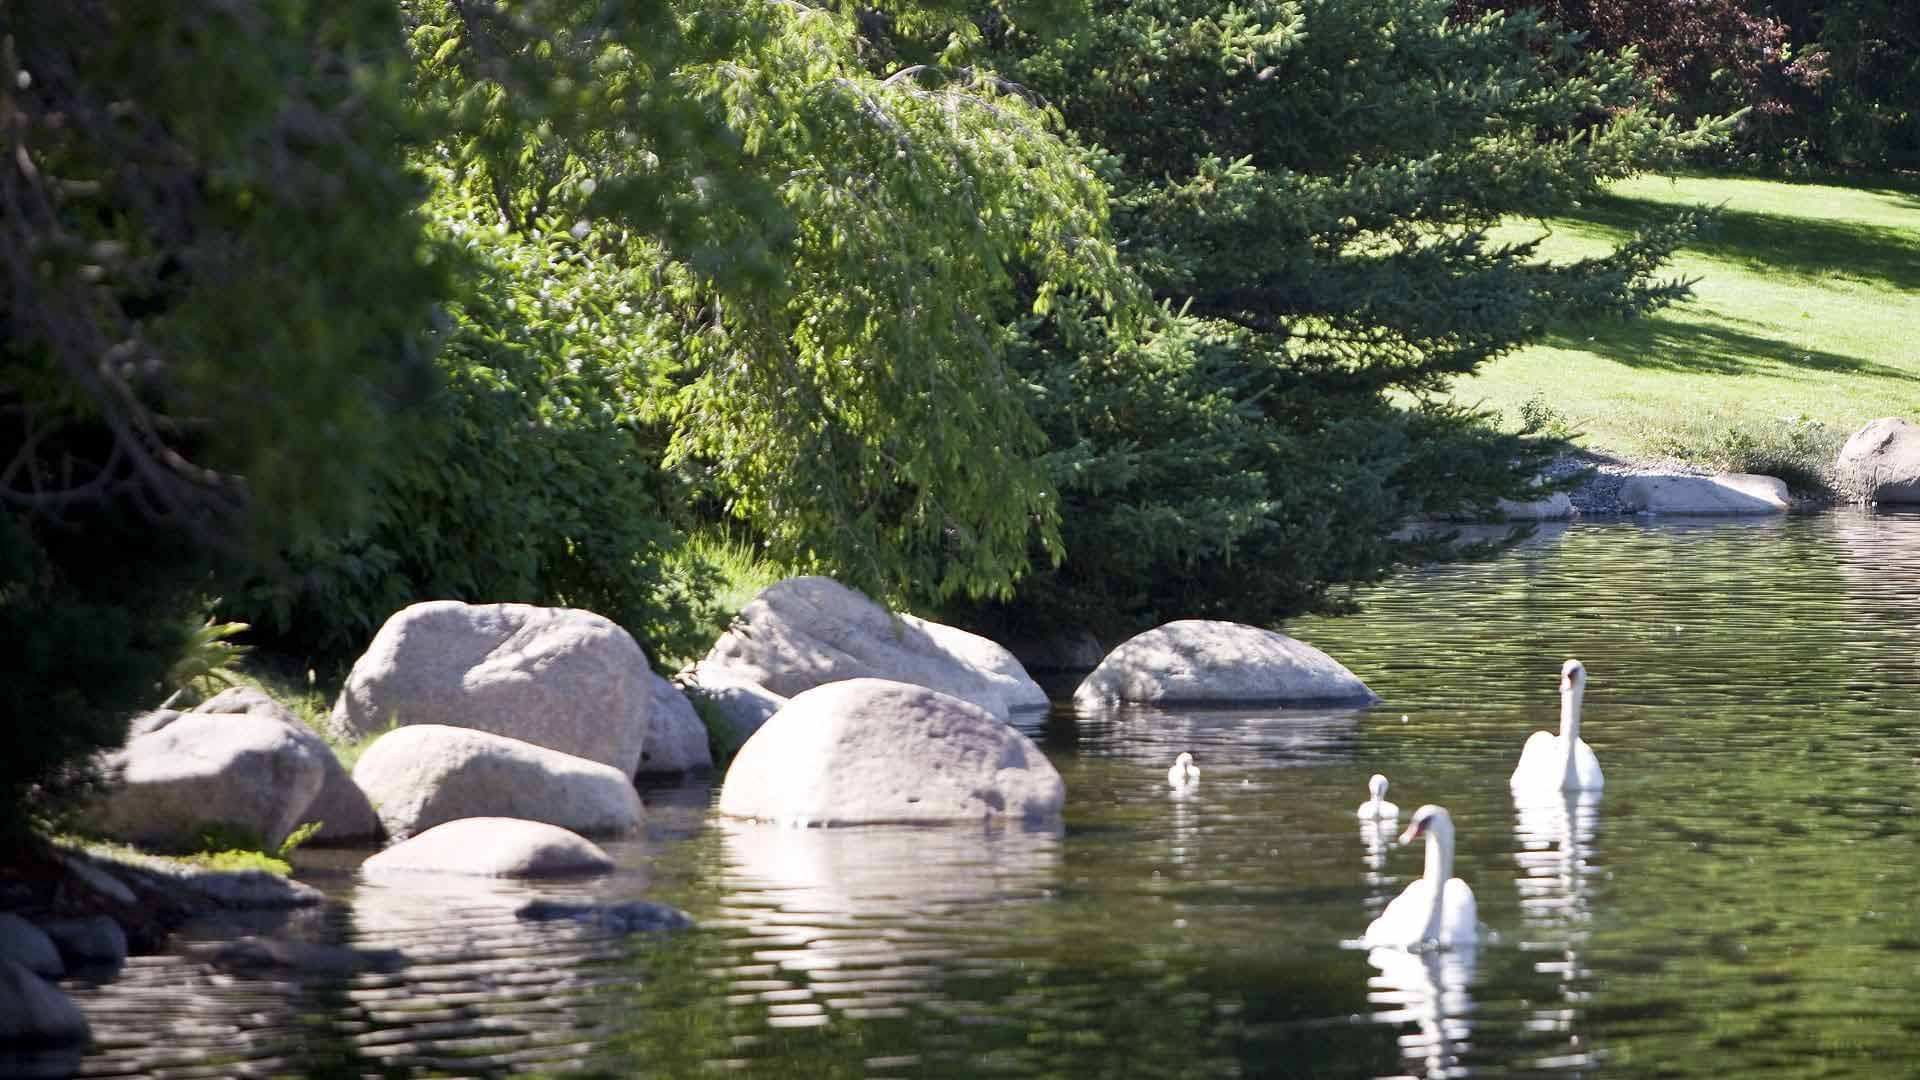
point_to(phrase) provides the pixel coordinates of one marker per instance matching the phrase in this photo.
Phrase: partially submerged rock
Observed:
(1727, 493)
(871, 751)
(33, 1011)
(205, 770)
(1201, 662)
(253, 953)
(627, 917)
(1881, 462)
(561, 678)
(492, 847)
(90, 941)
(29, 946)
(425, 774)
(676, 736)
(810, 631)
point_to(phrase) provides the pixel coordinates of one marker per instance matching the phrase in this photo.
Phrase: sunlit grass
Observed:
(1803, 326)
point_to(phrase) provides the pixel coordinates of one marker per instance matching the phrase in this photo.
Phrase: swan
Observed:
(1436, 909)
(1561, 762)
(1183, 771)
(1377, 808)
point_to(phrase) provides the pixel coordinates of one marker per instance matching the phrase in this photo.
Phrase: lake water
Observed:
(1739, 903)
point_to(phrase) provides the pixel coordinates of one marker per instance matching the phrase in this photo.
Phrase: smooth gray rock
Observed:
(870, 751)
(98, 880)
(628, 917)
(29, 946)
(425, 774)
(203, 770)
(32, 1010)
(744, 705)
(1555, 507)
(809, 631)
(253, 953)
(341, 807)
(676, 736)
(1202, 661)
(491, 847)
(151, 721)
(1727, 493)
(1881, 462)
(561, 678)
(93, 941)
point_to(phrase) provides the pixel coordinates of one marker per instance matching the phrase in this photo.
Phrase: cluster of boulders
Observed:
(499, 737)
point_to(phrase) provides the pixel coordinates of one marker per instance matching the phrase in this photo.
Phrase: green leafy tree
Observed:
(212, 284)
(835, 255)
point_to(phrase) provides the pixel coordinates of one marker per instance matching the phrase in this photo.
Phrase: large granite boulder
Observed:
(874, 752)
(424, 774)
(492, 847)
(561, 678)
(207, 769)
(676, 736)
(809, 631)
(33, 1011)
(1727, 493)
(744, 706)
(1206, 662)
(341, 807)
(1881, 462)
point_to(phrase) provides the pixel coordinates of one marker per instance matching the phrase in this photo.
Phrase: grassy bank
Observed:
(1808, 296)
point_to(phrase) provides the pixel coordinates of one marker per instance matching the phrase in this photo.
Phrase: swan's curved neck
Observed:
(1570, 733)
(1439, 869)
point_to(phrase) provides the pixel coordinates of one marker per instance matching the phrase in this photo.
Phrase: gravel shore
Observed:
(1599, 495)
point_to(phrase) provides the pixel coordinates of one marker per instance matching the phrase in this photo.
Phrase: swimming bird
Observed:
(1183, 771)
(1561, 762)
(1437, 909)
(1377, 808)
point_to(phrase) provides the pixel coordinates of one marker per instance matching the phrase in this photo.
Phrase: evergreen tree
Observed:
(1306, 188)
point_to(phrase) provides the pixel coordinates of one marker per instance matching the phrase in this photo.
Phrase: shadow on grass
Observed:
(1660, 343)
(1780, 243)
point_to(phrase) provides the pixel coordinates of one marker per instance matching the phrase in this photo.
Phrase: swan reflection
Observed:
(1429, 990)
(1555, 833)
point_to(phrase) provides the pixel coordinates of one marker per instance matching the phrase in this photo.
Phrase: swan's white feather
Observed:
(1543, 763)
(1405, 919)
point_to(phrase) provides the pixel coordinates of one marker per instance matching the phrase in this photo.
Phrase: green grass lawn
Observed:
(1805, 325)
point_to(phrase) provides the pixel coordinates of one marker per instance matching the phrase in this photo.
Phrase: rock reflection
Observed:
(868, 922)
(1222, 741)
(1429, 990)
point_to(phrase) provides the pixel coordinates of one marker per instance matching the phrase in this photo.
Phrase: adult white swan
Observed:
(1561, 762)
(1183, 771)
(1438, 908)
(1377, 808)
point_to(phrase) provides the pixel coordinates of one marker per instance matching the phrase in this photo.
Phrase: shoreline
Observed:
(1599, 494)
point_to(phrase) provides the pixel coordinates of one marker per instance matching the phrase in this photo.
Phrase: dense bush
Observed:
(533, 478)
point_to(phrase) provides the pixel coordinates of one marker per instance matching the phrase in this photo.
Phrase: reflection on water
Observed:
(1428, 990)
(1739, 904)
